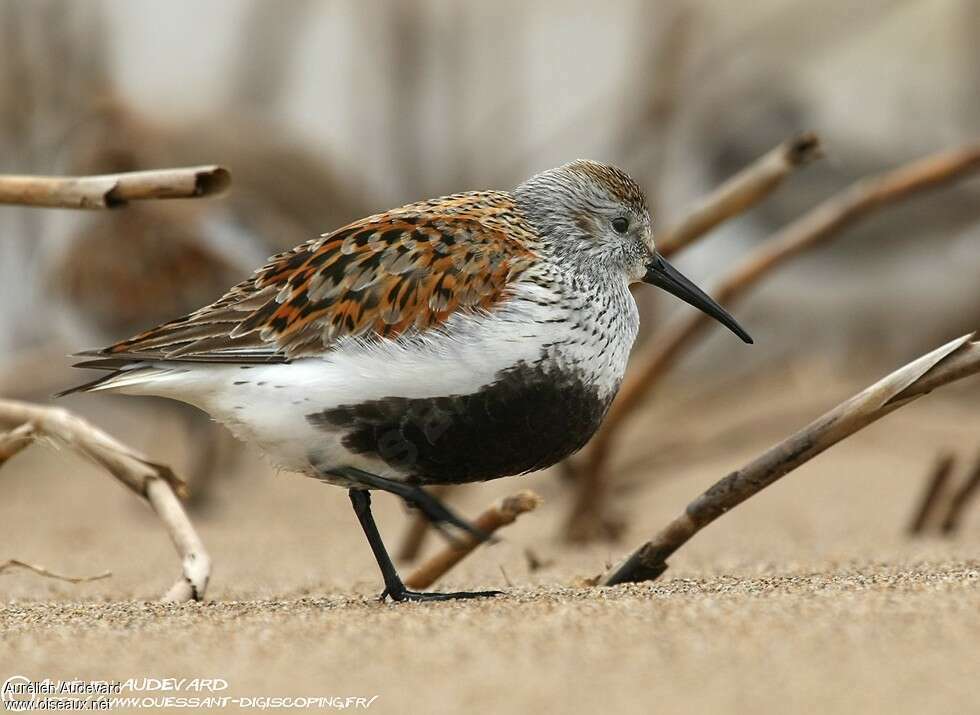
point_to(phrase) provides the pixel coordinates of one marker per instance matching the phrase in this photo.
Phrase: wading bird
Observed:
(461, 339)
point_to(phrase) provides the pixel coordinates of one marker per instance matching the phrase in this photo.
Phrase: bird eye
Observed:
(620, 224)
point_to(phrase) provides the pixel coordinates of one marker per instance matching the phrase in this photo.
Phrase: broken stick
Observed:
(14, 441)
(741, 192)
(154, 482)
(109, 191)
(500, 514)
(953, 361)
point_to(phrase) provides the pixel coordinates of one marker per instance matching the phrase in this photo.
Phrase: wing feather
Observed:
(411, 268)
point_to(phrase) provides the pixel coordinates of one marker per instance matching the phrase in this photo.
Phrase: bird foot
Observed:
(404, 594)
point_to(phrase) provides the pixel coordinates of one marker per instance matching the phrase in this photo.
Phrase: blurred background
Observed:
(328, 110)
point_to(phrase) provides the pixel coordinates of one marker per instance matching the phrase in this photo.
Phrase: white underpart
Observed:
(268, 405)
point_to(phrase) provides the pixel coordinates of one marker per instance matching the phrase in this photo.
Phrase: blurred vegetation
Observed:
(327, 111)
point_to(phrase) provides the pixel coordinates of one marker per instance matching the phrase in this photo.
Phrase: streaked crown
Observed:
(590, 212)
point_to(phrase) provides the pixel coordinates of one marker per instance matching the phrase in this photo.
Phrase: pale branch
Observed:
(195, 562)
(124, 463)
(817, 227)
(953, 361)
(41, 571)
(931, 497)
(749, 187)
(14, 441)
(741, 192)
(112, 190)
(497, 516)
(153, 481)
(960, 499)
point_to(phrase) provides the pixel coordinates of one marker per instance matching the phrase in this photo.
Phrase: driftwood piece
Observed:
(498, 515)
(113, 190)
(815, 228)
(953, 361)
(932, 496)
(195, 562)
(153, 481)
(124, 463)
(14, 441)
(741, 192)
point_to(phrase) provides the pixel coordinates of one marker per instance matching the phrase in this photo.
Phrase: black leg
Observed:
(437, 512)
(361, 499)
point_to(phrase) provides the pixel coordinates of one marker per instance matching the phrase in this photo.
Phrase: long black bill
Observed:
(663, 275)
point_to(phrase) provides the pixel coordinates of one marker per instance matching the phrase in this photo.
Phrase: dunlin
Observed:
(461, 339)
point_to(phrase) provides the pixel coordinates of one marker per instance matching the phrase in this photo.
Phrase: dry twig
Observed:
(935, 488)
(154, 482)
(14, 441)
(41, 571)
(500, 514)
(112, 190)
(741, 192)
(953, 361)
(818, 226)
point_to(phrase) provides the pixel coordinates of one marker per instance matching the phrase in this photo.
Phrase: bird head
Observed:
(595, 216)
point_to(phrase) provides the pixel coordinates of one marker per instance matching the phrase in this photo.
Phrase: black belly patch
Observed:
(530, 418)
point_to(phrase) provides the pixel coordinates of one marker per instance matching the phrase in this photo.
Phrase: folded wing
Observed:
(408, 269)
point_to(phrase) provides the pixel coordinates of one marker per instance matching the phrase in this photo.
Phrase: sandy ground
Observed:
(808, 598)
